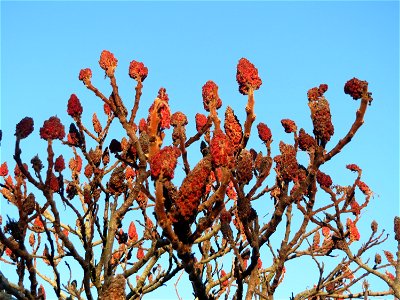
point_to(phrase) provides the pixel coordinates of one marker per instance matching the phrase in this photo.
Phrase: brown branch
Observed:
(249, 119)
(17, 291)
(358, 122)
(135, 108)
(198, 135)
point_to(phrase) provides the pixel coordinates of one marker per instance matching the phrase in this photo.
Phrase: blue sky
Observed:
(295, 45)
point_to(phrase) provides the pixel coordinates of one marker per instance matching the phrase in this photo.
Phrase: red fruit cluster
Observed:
(264, 132)
(140, 253)
(192, 189)
(222, 152)
(364, 188)
(107, 109)
(130, 173)
(353, 231)
(353, 167)
(390, 257)
(244, 167)
(179, 119)
(326, 231)
(24, 128)
(355, 88)
(232, 127)
(247, 76)
(41, 292)
(38, 225)
(225, 216)
(210, 95)
(286, 163)
(3, 169)
(85, 75)
(259, 263)
(297, 192)
(390, 275)
(75, 164)
(138, 71)
(317, 92)
(225, 282)
(59, 164)
(162, 94)
(324, 179)
(108, 62)
(397, 228)
(289, 125)
(355, 207)
(132, 232)
(321, 118)
(116, 184)
(164, 111)
(52, 129)
(142, 125)
(201, 121)
(306, 141)
(74, 108)
(164, 162)
(96, 124)
(88, 171)
(231, 192)
(54, 184)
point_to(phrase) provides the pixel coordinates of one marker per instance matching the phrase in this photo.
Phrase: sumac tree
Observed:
(142, 211)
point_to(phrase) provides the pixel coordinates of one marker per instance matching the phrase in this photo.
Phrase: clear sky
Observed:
(295, 46)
